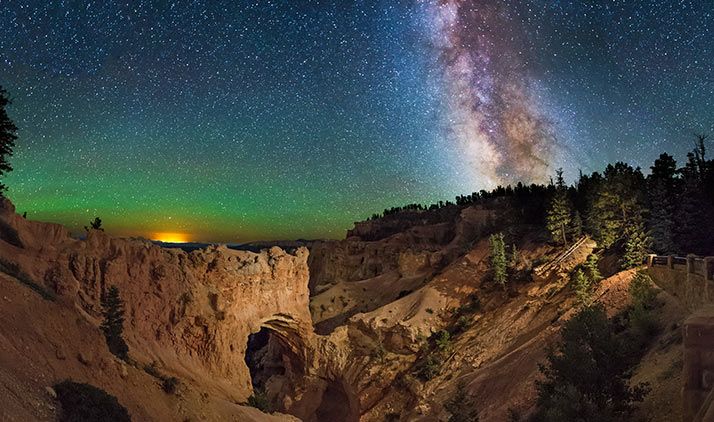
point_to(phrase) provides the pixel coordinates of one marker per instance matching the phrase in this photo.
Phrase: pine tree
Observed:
(637, 245)
(113, 323)
(95, 225)
(514, 256)
(591, 269)
(583, 287)
(461, 407)
(7, 138)
(558, 218)
(576, 226)
(498, 258)
(586, 378)
(662, 188)
(617, 204)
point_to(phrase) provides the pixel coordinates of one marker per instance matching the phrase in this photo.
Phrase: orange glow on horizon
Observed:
(171, 237)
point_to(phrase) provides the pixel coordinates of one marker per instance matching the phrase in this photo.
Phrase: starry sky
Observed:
(234, 121)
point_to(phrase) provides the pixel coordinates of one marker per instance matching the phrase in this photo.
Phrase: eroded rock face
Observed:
(189, 312)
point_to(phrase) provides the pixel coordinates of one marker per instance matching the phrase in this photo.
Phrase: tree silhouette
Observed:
(113, 323)
(7, 138)
(95, 225)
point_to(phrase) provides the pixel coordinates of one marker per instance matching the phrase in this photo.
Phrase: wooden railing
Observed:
(692, 264)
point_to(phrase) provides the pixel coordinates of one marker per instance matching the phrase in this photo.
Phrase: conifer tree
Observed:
(637, 245)
(662, 188)
(576, 226)
(113, 323)
(498, 258)
(7, 138)
(514, 256)
(558, 218)
(95, 225)
(461, 407)
(617, 204)
(587, 375)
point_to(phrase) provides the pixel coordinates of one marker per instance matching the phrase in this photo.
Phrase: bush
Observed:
(86, 403)
(461, 407)
(587, 375)
(429, 368)
(260, 400)
(443, 341)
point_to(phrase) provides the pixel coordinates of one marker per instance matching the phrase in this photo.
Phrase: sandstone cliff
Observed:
(188, 313)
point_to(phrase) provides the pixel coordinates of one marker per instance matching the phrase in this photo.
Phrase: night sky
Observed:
(236, 121)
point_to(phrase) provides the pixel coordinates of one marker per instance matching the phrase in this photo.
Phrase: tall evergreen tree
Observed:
(558, 219)
(586, 378)
(618, 203)
(7, 138)
(661, 194)
(113, 323)
(499, 265)
(637, 245)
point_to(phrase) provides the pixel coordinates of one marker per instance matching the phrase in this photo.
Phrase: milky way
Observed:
(236, 121)
(494, 115)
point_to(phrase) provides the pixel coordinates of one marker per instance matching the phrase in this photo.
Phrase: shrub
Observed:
(86, 403)
(586, 378)
(429, 311)
(583, 287)
(461, 407)
(443, 341)
(260, 400)
(429, 368)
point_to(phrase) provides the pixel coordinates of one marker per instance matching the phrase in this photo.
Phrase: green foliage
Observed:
(583, 287)
(586, 378)
(576, 226)
(8, 137)
(95, 225)
(617, 203)
(643, 293)
(499, 265)
(260, 400)
(429, 368)
(637, 245)
(558, 219)
(113, 323)
(86, 403)
(584, 278)
(443, 341)
(429, 311)
(591, 269)
(461, 407)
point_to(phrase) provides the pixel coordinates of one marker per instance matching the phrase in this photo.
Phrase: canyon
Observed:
(341, 331)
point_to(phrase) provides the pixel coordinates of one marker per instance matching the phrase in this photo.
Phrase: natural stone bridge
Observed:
(690, 280)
